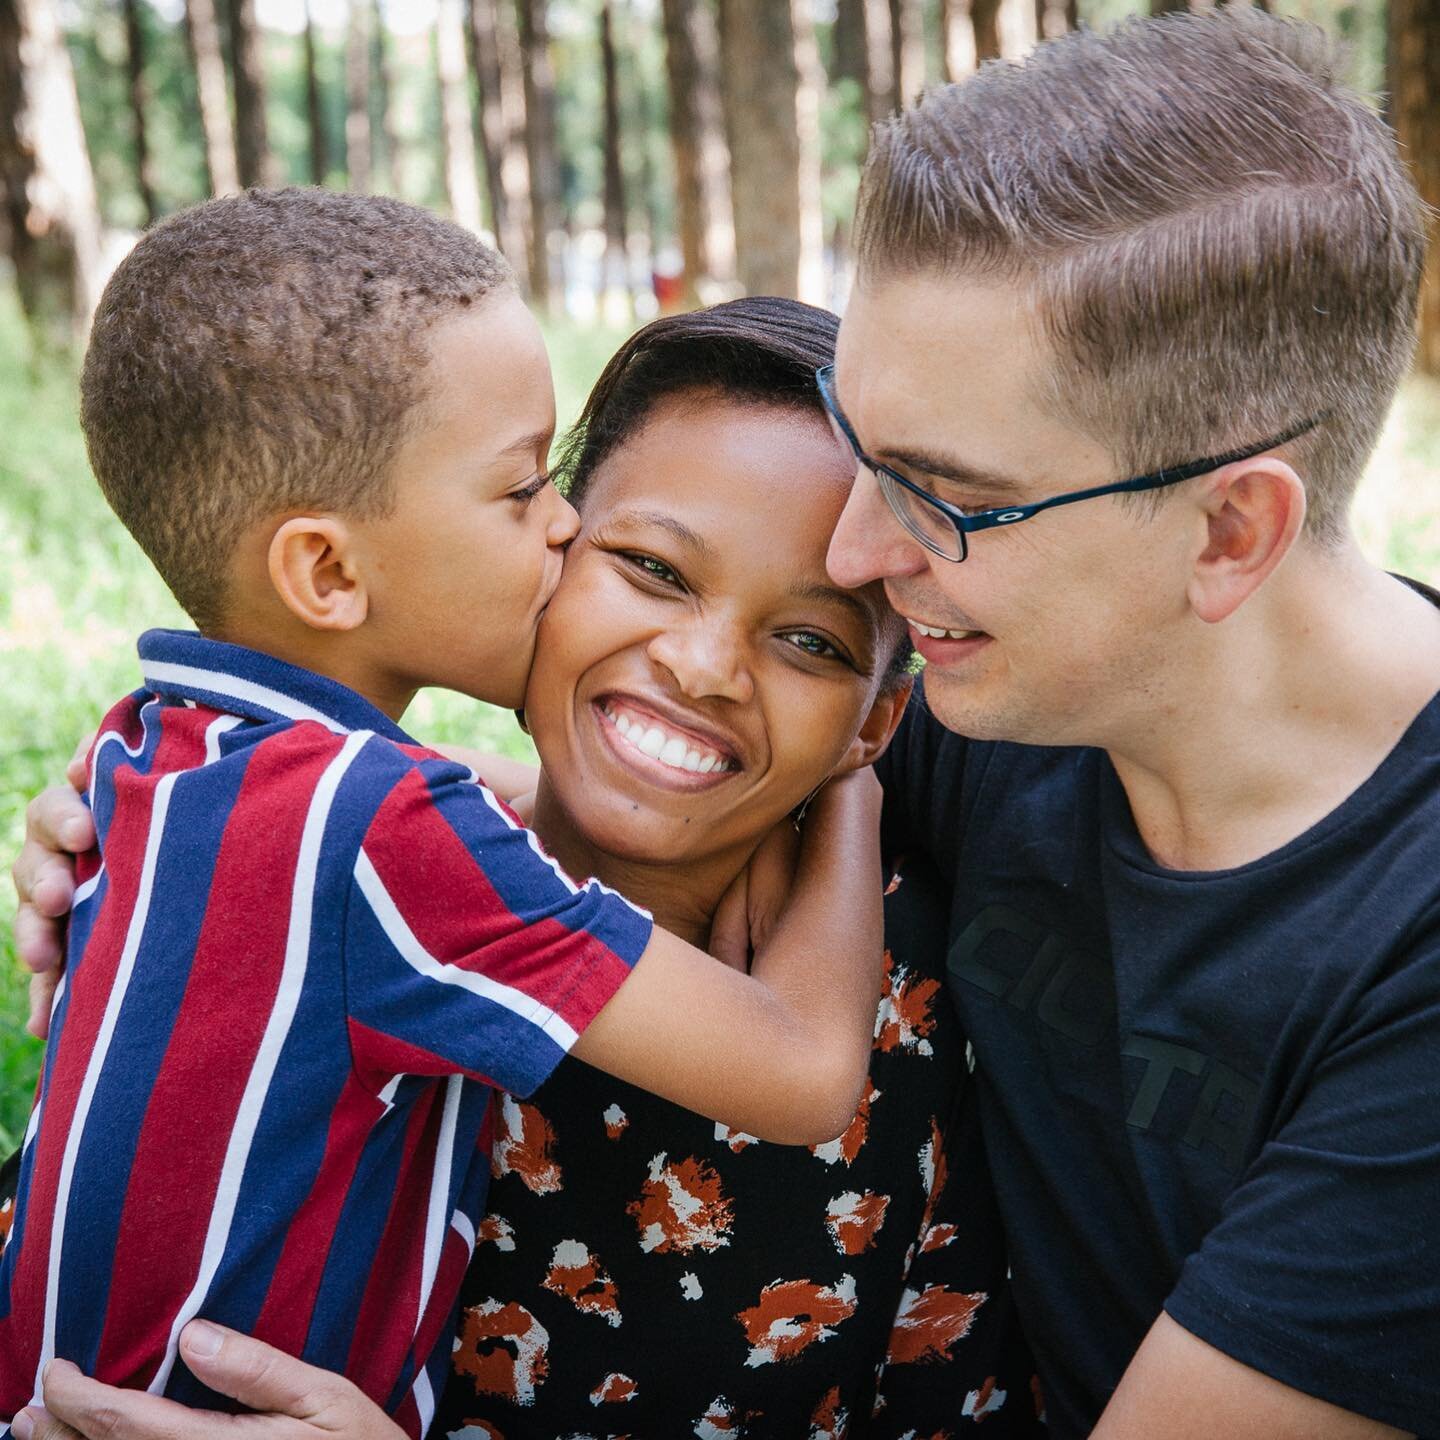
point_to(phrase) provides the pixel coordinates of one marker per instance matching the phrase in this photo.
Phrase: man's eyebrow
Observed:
(678, 528)
(834, 595)
(957, 472)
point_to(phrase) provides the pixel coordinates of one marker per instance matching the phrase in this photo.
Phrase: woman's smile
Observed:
(657, 748)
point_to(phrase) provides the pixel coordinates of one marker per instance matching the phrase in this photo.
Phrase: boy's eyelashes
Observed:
(530, 490)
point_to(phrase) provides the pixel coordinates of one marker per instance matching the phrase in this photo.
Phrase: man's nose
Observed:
(869, 543)
(708, 660)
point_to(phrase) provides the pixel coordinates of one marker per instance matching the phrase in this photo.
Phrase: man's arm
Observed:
(1179, 1388)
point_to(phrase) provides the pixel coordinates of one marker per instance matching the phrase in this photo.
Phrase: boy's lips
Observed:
(650, 739)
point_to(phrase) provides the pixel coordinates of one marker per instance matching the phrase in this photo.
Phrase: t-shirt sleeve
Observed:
(467, 949)
(1324, 1269)
(922, 772)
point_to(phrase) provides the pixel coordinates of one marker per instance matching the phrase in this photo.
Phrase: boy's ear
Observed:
(313, 566)
(1253, 513)
(878, 728)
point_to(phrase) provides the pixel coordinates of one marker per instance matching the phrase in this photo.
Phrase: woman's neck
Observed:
(682, 897)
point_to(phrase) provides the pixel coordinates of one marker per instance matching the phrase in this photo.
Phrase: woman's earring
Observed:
(797, 815)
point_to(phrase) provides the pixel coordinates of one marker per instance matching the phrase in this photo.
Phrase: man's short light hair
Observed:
(1220, 237)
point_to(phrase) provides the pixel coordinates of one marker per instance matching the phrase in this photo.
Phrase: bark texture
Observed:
(358, 141)
(314, 108)
(502, 127)
(202, 37)
(462, 187)
(51, 214)
(139, 99)
(254, 159)
(771, 107)
(617, 260)
(1414, 54)
(540, 145)
(697, 139)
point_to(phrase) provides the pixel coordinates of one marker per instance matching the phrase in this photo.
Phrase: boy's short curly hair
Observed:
(262, 353)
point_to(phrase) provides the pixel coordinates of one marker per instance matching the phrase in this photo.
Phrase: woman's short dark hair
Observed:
(761, 350)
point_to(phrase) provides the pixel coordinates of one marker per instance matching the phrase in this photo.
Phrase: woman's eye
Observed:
(653, 569)
(813, 644)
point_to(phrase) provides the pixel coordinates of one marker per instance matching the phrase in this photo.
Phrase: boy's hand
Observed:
(296, 1401)
(745, 918)
(58, 826)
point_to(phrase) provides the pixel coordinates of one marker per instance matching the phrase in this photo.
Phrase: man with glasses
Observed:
(1180, 743)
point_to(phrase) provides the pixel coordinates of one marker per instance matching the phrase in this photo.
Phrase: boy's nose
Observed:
(564, 520)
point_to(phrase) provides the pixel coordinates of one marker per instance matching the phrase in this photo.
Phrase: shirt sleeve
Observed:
(1324, 1269)
(467, 948)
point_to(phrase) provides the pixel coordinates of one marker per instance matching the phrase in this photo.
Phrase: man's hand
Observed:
(296, 1401)
(58, 826)
(1179, 1388)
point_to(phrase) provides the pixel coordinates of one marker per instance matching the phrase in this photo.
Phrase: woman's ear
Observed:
(312, 565)
(878, 727)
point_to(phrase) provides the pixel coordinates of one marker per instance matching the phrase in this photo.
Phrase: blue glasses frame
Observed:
(966, 524)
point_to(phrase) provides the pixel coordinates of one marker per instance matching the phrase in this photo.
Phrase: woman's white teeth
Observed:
(668, 749)
(937, 634)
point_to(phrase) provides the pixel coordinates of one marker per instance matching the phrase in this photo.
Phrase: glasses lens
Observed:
(931, 527)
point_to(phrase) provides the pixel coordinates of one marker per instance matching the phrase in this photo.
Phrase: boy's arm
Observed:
(469, 950)
(780, 1053)
(507, 778)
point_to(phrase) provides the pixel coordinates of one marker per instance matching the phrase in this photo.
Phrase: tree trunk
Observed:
(1018, 31)
(847, 45)
(697, 138)
(539, 144)
(135, 68)
(959, 31)
(907, 51)
(771, 107)
(253, 156)
(617, 257)
(357, 97)
(314, 107)
(1164, 7)
(48, 188)
(1414, 82)
(462, 188)
(1054, 17)
(202, 36)
(384, 101)
(502, 126)
(882, 97)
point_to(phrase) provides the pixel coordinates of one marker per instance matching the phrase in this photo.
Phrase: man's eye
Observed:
(812, 644)
(652, 568)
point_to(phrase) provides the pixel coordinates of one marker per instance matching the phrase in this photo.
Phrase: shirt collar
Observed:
(181, 665)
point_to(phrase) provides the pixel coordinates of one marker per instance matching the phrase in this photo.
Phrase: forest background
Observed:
(628, 156)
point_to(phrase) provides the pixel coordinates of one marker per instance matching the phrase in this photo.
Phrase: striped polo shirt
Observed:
(304, 955)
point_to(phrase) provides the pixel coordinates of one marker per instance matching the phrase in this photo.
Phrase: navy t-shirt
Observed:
(1214, 1093)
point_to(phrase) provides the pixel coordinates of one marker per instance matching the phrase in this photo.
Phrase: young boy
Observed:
(308, 948)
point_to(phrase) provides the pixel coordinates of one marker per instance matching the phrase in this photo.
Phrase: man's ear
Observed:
(878, 728)
(1253, 513)
(312, 564)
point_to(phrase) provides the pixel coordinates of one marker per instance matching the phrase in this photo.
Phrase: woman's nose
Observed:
(708, 661)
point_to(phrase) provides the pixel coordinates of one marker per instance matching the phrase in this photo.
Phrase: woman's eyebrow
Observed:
(834, 595)
(678, 528)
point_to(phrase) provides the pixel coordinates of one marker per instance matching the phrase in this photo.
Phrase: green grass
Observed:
(75, 591)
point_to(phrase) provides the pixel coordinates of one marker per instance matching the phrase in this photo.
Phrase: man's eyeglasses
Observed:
(943, 528)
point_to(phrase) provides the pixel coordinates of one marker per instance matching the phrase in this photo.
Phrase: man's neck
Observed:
(682, 897)
(1299, 697)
